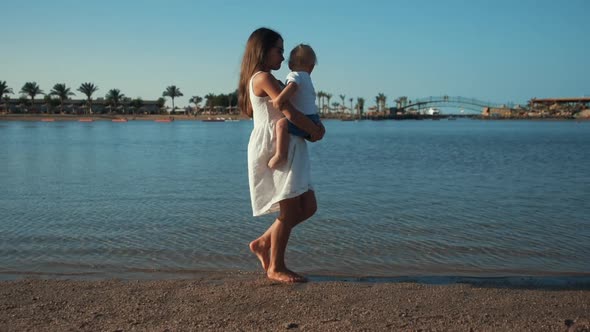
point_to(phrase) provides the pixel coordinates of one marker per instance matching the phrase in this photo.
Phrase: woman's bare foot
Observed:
(286, 276)
(261, 250)
(276, 161)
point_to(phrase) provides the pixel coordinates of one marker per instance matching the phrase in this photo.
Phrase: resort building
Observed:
(559, 107)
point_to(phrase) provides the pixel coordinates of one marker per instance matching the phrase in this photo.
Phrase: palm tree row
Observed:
(324, 103)
(115, 98)
(60, 90)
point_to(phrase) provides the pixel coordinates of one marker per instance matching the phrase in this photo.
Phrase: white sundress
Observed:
(267, 186)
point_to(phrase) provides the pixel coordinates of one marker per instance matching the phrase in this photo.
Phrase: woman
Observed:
(288, 188)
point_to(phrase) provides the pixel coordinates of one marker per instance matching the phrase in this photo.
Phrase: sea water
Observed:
(396, 198)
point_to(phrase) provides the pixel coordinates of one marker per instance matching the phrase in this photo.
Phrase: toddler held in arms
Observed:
(301, 93)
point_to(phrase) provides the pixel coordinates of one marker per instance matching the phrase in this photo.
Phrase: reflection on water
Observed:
(477, 198)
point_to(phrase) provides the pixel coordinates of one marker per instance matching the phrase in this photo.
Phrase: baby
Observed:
(301, 93)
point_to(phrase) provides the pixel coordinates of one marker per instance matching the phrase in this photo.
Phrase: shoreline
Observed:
(236, 117)
(109, 117)
(547, 279)
(250, 302)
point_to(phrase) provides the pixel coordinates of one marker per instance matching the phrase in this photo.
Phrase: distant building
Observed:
(494, 112)
(559, 107)
(540, 102)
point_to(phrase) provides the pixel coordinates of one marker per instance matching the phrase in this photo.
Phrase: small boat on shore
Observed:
(119, 120)
(86, 120)
(48, 120)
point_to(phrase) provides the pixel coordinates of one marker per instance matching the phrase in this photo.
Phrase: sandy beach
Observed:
(249, 302)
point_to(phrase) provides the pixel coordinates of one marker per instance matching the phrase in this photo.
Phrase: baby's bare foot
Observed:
(261, 250)
(276, 161)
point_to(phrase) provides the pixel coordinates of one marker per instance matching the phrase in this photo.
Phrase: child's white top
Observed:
(304, 98)
(268, 187)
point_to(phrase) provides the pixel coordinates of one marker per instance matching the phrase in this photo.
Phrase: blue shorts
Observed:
(294, 130)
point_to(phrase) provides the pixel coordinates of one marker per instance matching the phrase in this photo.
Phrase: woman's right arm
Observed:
(285, 95)
(303, 122)
(266, 83)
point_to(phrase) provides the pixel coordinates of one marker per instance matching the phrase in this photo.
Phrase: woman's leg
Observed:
(308, 204)
(290, 215)
(272, 258)
(261, 247)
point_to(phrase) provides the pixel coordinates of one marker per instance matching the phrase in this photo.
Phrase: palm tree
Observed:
(320, 96)
(5, 90)
(210, 97)
(126, 102)
(136, 104)
(114, 97)
(22, 104)
(398, 102)
(336, 105)
(31, 89)
(88, 89)
(328, 96)
(7, 103)
(196, 100)
(60, 90)
(350, 104)
(160, 103)
(360, 104)
(343, 97)
(51, 103)
(172, 91)
(232, 97)
(47, 99)
(381, 100)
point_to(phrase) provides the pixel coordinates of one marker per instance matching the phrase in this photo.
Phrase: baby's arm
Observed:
(285, 95)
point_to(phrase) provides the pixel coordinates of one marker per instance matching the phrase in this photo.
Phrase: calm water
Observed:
(396, 198)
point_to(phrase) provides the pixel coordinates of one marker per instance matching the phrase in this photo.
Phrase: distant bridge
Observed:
(470, 104)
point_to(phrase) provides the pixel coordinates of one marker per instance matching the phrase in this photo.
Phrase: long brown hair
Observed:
(257, 47)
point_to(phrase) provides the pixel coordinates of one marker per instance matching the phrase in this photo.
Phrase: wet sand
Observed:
(249, 302)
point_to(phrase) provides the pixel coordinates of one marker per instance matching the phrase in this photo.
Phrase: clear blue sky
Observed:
(492, 50)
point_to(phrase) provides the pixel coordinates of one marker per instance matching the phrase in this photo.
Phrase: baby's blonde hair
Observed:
(302, 55)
